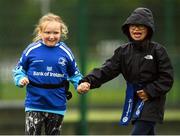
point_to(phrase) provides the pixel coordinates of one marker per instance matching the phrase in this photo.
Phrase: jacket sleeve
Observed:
(164, 80)
(109, 70)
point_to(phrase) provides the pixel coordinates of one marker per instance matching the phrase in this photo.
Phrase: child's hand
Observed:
(142, 95)
(24, 81)
(83, 88)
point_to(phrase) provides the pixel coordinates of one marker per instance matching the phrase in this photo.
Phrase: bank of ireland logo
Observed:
(62, 61)
(49, 68)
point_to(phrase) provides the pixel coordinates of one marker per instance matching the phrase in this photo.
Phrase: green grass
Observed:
(11, 92)
(112, 95)
(110, 115)
(112, 92)
(109, 94)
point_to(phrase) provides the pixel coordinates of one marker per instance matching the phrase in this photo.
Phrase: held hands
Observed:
(83, 88)
(24, 81)
(142, 95)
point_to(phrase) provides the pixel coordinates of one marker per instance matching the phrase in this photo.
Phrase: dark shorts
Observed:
(35, 121)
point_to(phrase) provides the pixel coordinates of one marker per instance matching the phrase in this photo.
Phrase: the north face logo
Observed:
(150, 57)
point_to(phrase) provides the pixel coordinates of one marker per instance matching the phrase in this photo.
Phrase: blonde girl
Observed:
(45, 68)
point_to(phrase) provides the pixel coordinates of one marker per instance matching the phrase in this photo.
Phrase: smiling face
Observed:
(138, 32)
(51, 32)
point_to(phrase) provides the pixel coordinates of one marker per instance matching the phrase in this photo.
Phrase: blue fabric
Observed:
(49, 111)
(75, 79)
(18, 74)
(138, 108)
(129, 104)
(47, 65)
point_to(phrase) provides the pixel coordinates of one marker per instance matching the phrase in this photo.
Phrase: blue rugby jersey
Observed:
(47, 65)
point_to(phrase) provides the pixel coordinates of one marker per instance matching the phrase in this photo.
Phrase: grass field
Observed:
(110, 94)
(112, 115)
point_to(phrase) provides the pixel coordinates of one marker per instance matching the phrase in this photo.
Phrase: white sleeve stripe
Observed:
(30, 49)
(67, 48)
(68, 53)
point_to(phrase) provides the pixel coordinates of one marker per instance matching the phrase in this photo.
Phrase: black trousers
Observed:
(36, 120)
(143, 128)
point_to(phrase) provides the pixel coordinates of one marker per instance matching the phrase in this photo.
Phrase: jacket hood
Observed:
(141, 16)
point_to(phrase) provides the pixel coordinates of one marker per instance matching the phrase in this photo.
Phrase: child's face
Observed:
(138, 32)
(51, 33)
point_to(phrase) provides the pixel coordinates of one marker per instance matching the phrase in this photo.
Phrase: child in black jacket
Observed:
(145, 66)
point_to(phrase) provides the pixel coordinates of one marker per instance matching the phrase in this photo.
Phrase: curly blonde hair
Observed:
(47, 18)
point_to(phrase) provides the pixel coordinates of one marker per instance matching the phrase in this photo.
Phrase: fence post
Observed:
(82, 43)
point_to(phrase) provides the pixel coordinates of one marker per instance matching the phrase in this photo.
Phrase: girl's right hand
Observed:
(24, 81)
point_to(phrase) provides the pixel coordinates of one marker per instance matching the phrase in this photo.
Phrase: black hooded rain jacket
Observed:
(144, 62)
